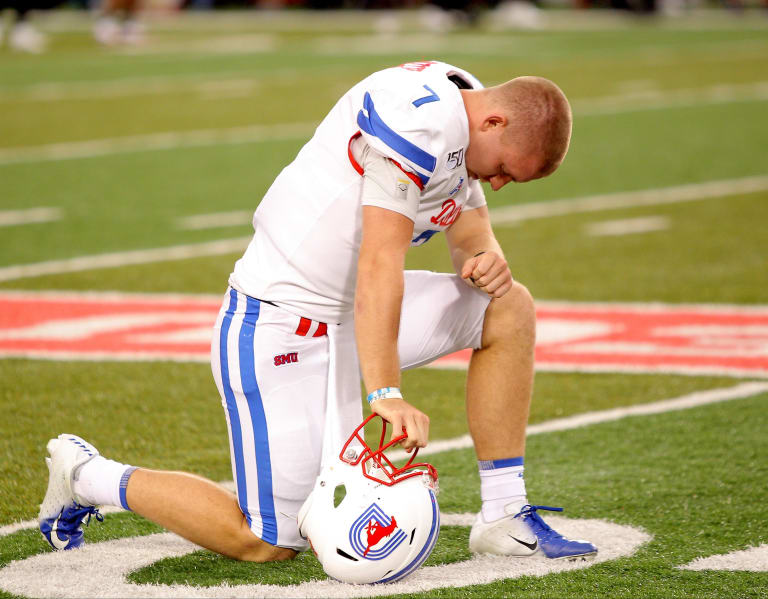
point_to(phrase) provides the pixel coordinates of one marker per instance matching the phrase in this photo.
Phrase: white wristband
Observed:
(384, 393)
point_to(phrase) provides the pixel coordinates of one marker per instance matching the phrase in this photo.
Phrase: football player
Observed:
(321, 296)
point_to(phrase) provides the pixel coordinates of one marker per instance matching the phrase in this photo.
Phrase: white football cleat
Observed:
(62, 512)
(506, 536)
(523, 534)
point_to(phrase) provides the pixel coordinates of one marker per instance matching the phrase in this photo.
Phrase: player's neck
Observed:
(474, 104)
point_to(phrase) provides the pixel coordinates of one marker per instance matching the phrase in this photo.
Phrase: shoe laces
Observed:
(74, 515)
(540, 528)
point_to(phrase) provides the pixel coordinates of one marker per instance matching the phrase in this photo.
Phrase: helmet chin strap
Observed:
(343, 408)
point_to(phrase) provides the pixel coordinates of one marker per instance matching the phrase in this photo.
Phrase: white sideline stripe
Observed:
(9, 218)
(659, 100)
(231, 44)
(260, 133)
(227, 82)
(179, 83)
(155, 141)
(627, 226)
(685, 402)
(692, 400)
(177, 252)
(629, 199)
(754, 559)
(499, 216)
(91, 90)
(213, 220)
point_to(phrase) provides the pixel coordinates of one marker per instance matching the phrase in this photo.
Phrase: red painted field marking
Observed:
(692, 339)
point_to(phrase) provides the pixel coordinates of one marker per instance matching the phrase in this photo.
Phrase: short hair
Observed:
(540, 118)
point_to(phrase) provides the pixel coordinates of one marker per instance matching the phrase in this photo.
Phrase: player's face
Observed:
(491, 160)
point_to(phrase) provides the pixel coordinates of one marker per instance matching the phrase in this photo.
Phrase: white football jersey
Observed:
(308, 227)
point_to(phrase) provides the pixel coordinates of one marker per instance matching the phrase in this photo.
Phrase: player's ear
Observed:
(493, 121)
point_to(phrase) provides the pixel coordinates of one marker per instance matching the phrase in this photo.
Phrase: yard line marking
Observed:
(113, 260)
(753, 559)
(261, 133)
(499, 216)
(135, 86)
(119, 557)
(679, 98)
(215, 219)
(9, 218)
(155, 141)
(684, 402)
(631, 100)
(627, 226)
(248, 43)
(157, 84)
(629, 199)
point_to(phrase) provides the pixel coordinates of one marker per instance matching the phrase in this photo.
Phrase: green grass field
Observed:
(657, 105)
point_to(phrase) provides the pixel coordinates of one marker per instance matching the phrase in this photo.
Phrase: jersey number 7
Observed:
(432, 97)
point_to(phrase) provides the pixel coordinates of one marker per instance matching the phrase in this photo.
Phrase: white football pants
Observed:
(275, 370)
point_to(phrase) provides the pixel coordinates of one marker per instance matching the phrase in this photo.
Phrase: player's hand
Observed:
(404, 418)
(489, 272)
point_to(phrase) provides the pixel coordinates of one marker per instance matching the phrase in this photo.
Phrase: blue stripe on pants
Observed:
(234, 415)
(259, 422)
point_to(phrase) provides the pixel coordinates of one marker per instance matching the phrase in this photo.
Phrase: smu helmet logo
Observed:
(374, 535)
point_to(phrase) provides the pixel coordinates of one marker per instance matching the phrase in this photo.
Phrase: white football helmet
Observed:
(387, 523)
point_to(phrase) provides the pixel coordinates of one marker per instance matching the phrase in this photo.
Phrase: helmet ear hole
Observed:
(344, 554)
(339, 493)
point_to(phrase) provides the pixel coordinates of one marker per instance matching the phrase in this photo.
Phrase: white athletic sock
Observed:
(102, 482)
(501, 484)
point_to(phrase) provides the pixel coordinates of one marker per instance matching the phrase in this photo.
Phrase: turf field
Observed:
(663, 198)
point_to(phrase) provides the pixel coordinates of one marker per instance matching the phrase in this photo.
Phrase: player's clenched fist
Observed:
(404, 418)
(488, 271)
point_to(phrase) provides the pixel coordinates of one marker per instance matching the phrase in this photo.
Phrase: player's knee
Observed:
(511, 317)
(252, 549)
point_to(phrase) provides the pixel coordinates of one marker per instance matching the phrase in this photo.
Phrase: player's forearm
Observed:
(471, 246)
(378, 299)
